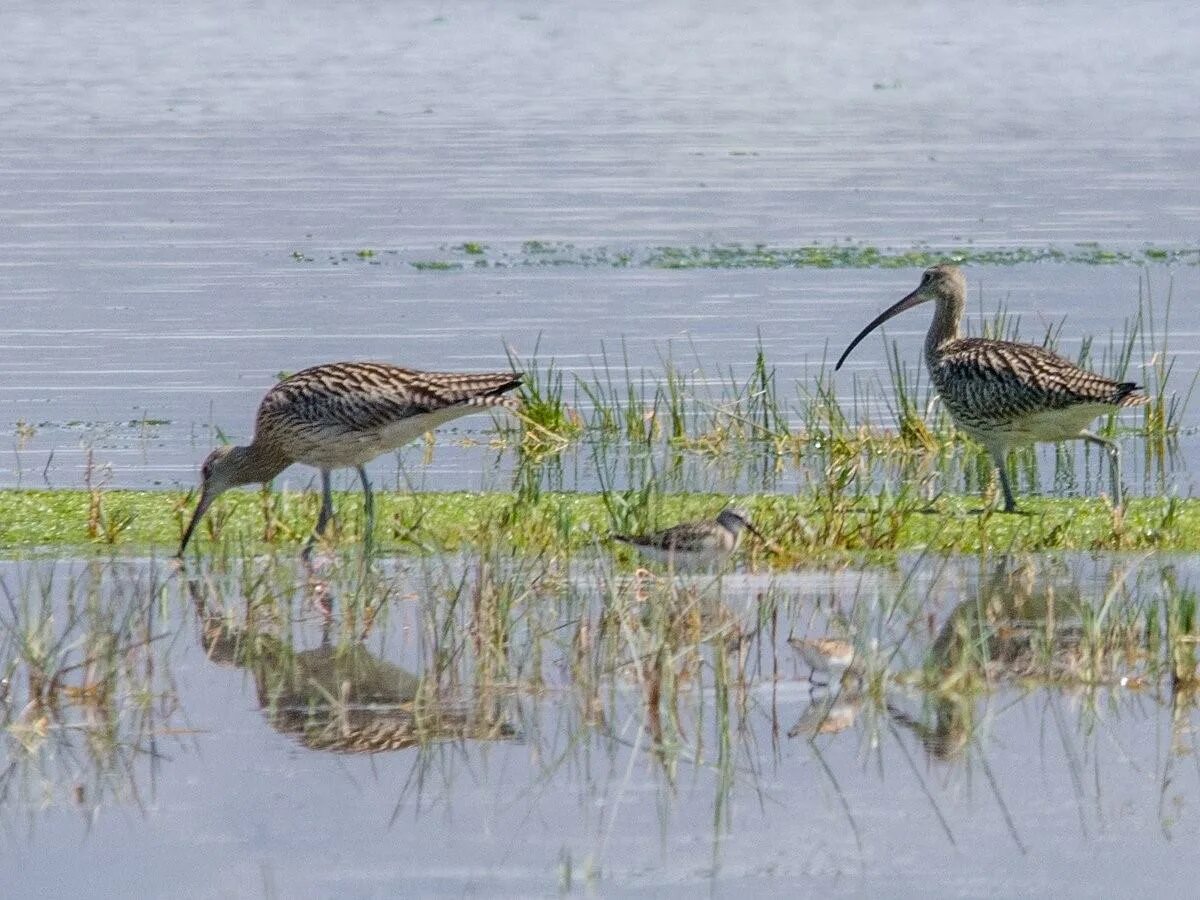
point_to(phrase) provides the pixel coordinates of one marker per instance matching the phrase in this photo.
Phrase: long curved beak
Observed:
(206, 500)
(913, 299)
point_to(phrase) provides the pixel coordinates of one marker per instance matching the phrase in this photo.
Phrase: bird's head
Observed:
(943, 284)
(222, 469)
(736, 519)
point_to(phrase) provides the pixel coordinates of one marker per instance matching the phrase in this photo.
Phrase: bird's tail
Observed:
(1128, 394)
(493, 401)
(493, 389)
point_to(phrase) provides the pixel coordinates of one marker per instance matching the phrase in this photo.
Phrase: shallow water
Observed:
(151, 201)
(1022, 788)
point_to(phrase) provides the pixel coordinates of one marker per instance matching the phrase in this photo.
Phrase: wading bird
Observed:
(694, 543)
(1004, 394)
(341, 415)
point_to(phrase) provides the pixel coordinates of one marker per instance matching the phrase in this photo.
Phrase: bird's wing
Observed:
(683, 536)
(360, 397)
(678, 537)
(1003, 379)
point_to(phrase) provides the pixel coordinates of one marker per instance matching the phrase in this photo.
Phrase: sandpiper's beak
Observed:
(754, 531)
(913, 299)
(206, 498)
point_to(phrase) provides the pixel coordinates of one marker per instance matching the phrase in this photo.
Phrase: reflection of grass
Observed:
(632, 678)
(86, 686)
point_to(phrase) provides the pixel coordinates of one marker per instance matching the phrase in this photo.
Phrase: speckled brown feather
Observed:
(341, 413)
(685, 537)
(360, 396)
(376, 731)
(986, 383)
(1004, 394)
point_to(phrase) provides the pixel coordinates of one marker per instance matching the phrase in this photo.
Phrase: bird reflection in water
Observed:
(1024, 625)
(341, 697)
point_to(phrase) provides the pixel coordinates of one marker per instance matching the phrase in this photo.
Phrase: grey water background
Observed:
(160, 167)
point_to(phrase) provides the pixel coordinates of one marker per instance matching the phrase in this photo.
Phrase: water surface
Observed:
(754, 777)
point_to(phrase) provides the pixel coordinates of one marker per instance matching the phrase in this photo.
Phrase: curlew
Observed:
(695, 543)
(340, 415)
(1005, 394)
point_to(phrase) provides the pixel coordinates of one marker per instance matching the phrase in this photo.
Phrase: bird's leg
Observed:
(324, 516)
(368, 509)
(1010, 504)
(1114, 456)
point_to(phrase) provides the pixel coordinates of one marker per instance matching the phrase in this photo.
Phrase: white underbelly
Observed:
(355, 448)
(1044, 426)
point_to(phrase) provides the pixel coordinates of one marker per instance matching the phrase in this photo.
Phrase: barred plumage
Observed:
(345, 414)
(377, 730)
(994, 385)
(1006, 394)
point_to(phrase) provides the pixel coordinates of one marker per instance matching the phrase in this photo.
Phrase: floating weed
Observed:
(435, 265)
(842, 255)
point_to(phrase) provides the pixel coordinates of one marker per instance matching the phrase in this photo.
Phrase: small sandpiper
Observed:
(825, 655)
(695, 544)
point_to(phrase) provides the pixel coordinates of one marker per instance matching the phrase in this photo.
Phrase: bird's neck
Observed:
(947, 316)
(258, 462)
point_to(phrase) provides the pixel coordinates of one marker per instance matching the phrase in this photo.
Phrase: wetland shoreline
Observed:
(802, 526)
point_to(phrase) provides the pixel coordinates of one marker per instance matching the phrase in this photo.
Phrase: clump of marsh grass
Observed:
(549, 423)
(103, 525)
